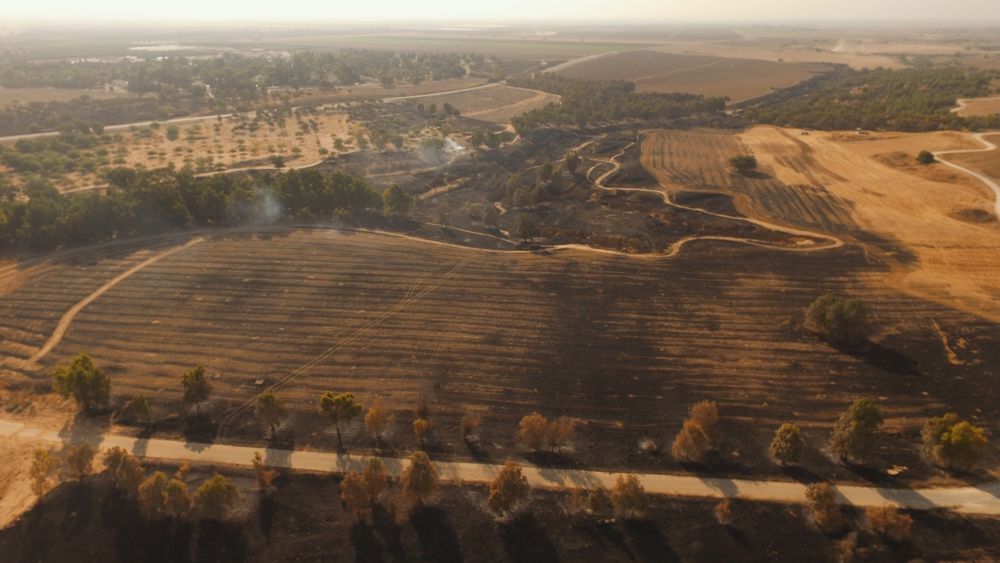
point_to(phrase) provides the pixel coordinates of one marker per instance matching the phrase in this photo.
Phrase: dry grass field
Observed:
(496, 104)
(781, 51)
(736, 78)
(623, 344)
(987, 162)
(10, 96)
(978, 106)
(947, 228)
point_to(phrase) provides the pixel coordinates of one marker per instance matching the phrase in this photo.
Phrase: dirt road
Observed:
(983, 499)
(993, 185)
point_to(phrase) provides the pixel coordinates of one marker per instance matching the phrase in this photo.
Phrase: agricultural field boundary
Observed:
(981, 499)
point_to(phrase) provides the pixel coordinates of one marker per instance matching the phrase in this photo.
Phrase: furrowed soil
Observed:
(623, 344)
(303, 521)
(652, 71)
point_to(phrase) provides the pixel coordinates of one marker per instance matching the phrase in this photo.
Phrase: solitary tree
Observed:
(377, 420)
(125, 470)
(841, 321)
(420, 478)
(396, 202)
(139, 407)
(353, 494)
(723, 512)
(79, 460)
(560, 432)
(961, 446)
(341, 409)
(83, 381)
(698, 435)
(508, 488)
(375, 479)
(265, 477)
(270, 411)
(152, 495)
(854, 434)
(421, 427)
(532, 430)
(744, 163)
(197, 388)
(470, 425)
(176, 499)
(215, 499)
(788, 444)
(44, 471)
(925, 157)
(629, 496)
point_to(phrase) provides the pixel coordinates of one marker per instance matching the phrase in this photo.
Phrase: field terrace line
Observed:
(974, 500)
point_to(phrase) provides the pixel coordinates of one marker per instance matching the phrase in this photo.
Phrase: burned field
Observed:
(624, 344)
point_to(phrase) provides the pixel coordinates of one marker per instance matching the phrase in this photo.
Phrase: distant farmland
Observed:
(737, 79)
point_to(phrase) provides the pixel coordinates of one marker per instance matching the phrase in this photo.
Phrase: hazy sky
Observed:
(648, 11)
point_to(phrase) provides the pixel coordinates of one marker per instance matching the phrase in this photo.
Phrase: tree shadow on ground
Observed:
(266, 509)
(649, 543)
(605, 532)
(526, 541)
(220, 541)
(367, 548)
(436, 535)
(551, 459)
(883, 358)
(800, 474)
(199, 429)
(384, 521)
(138, 539)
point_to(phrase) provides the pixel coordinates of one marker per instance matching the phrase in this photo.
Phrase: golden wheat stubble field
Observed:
(624, 345)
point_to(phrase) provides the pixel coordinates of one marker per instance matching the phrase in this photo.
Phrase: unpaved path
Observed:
(990, 182)
(67, 318)
(831, 241)
(982, 499)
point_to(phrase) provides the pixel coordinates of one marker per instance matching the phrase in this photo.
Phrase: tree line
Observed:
(914, 99)
(140, 202)
(591, 102)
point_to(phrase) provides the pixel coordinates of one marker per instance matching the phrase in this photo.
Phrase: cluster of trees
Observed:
(915, 99)
(588, 102)
(841, 321)
(536, 432)
(141, 202)
(157, 496)
(64, 153)
(241, 76)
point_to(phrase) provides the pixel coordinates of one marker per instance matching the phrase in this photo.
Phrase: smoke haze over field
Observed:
(646, 11)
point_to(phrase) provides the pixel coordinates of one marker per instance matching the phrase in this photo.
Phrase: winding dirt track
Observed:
(993, 185)
(67, 318)
(831, 241)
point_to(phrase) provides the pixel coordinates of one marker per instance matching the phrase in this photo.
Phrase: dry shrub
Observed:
(532, 431)
(827, 513)
(890, 522)
(724, 512)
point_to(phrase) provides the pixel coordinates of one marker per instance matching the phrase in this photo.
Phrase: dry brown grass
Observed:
(986, 162)
(978, 106)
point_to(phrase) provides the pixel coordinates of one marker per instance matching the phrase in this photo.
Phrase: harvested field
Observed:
(11, 96)
(987, 162)
(977, 106)
(497, 104)
(652, 71)
(952, 260)
(779, 50)
(623, 344)
(700, 158)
